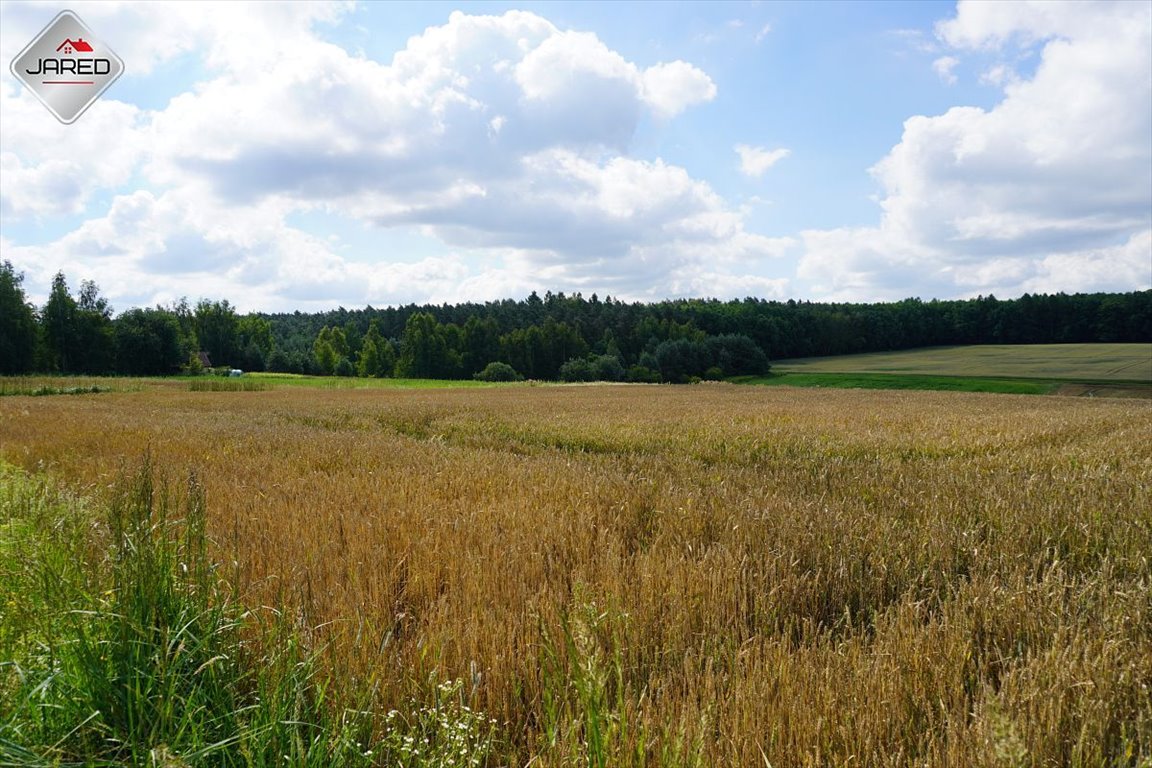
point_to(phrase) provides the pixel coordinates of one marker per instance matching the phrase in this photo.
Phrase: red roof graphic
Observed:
(78, 44)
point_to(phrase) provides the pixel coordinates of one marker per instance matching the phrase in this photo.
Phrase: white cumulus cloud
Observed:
(503, 137)
(945, 67)
(671, 88)
(1012, 198)
(755, 161)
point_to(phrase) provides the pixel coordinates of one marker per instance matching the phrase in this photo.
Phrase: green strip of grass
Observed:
(229, 385)
(43, 391)
(41, 386)
(901, 381)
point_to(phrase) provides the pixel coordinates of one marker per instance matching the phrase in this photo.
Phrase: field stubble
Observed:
(708, 575)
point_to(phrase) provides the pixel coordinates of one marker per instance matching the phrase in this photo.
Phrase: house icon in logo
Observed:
(78, 44)
(66, 76)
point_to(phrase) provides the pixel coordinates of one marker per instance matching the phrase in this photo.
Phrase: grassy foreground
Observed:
(120, 646)
(619, 576)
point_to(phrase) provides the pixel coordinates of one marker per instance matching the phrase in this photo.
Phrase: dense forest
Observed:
(559, 336)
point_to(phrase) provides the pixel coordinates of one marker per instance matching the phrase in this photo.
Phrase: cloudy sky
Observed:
(304, 156)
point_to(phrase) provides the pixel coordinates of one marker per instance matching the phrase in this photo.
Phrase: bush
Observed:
(682, 360)
(736, 355)
(577, 369)
(679, 359)
(193, 367)
(608, 368)
(345, 367)
(598, 368)
(252, 358)
(642, 374)
(279, 362)
(498, 372)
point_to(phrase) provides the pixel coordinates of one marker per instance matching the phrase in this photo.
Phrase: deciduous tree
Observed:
(17, 323)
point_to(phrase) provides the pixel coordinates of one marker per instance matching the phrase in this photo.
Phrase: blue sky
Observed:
(304, 156)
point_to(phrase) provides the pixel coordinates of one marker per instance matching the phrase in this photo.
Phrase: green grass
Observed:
(119, 645)
(40, 386)
(898, 381)
(228, 385)
(1054, 362)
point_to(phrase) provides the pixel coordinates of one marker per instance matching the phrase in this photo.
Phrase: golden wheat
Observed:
(723, 575)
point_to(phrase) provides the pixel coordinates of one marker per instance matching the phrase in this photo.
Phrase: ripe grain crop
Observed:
(1056, 362)
(696, 575)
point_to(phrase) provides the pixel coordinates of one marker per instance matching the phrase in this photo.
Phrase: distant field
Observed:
(1056, 362)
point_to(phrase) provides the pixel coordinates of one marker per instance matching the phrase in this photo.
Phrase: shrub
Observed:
(279, 362)
(608, 368)
(193, 367)
(577, 369)
(679, 359)
(598, 368)
(736, 355)
(498, 372)
(648, 360)
(731, 354)
(642, 374)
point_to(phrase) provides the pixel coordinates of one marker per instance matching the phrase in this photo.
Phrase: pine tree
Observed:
(59, 327)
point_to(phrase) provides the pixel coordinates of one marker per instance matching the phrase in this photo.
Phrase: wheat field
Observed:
(1093, 362)
(691, 575)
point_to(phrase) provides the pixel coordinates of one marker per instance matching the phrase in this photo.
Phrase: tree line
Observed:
(556, 336)
(81, 335)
